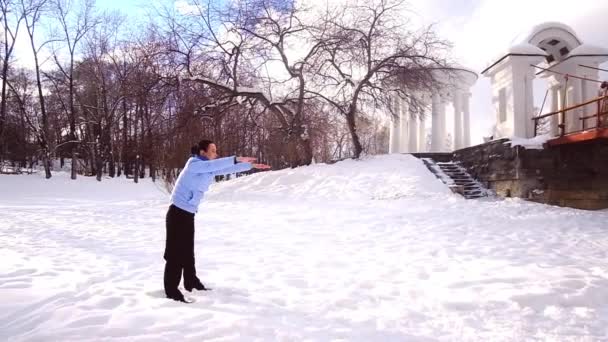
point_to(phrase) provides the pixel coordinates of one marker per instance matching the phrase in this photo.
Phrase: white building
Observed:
(552, 51)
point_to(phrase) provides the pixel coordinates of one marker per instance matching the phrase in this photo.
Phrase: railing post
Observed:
(584, 120)
(599, 110)
(535, 126)
(562, 126)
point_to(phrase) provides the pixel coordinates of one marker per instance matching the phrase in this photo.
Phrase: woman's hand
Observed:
(261, 166)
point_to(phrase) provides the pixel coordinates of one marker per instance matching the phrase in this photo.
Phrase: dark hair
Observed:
(202, 145)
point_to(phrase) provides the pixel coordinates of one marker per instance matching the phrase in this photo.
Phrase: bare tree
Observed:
(378, 58)
(22, 94)
(278, 30)
(12, 17)
(33, 10)
(100, 97)
(74, 25)
(252, 35)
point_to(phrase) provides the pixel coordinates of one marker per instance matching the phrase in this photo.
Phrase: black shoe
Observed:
(178, 296)
(195, 285)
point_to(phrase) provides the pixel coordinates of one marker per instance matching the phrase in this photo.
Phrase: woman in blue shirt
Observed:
(198, 173)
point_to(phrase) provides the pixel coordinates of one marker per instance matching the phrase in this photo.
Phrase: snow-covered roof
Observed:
(457, 77)
(529, 35)
(589, 50)
(466, 77)
(523, 49)
(526, 49)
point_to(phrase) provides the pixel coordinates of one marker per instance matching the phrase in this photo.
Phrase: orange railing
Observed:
(600, 118)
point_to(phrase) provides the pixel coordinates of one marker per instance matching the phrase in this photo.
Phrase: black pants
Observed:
(179, 249)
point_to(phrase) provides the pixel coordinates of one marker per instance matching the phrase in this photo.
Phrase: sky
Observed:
(481, 30)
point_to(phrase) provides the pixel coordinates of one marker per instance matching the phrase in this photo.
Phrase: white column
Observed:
(570, 120)
(529, 104)
(394, 129)
(573, 122)
(466, 112)
(554, 120)
(578, 98)
(443, 125)
(589, 90)
(458, 132)
(422, 133)
(523, 100)
(413, 132)
(437, 111)
(403, 144)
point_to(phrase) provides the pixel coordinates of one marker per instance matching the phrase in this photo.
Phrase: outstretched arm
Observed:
(236, 168)
(210, 166)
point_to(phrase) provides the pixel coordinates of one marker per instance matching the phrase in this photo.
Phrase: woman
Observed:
(198, 173)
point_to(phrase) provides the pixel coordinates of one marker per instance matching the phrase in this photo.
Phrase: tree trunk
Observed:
(142, 168)
(47, 164)
(136, 173)
(99, 167)
(74, 167)
(350, 119)
(112, 166)
(125, 130)
(72, 136)
(142, 146)
(292, 153)
(45, 119)
(4, 79)
(120, 165)
(307, 150)
(136, 145)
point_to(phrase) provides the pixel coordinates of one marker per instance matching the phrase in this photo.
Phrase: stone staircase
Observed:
(456, 178)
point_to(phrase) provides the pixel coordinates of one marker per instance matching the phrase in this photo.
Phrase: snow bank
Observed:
(377, 178)
(535, 143)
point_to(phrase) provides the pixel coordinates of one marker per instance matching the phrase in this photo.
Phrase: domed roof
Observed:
(546, 30)
(456, 77)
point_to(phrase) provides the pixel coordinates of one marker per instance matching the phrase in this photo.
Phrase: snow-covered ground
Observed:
(373, 250)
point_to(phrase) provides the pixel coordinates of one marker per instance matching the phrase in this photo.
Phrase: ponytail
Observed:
(194, 150)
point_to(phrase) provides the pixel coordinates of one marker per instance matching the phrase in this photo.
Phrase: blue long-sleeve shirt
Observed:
(197, 176)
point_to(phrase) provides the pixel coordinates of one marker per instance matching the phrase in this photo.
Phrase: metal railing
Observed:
(600, 117)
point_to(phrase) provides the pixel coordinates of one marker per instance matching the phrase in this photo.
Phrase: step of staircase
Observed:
(457, 178)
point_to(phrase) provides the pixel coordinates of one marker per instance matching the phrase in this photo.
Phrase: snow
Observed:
(589, 50)
(249, 90)
(439, 172)
(527, 36)
(535, 143)
(526, 49)
(371, 250)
